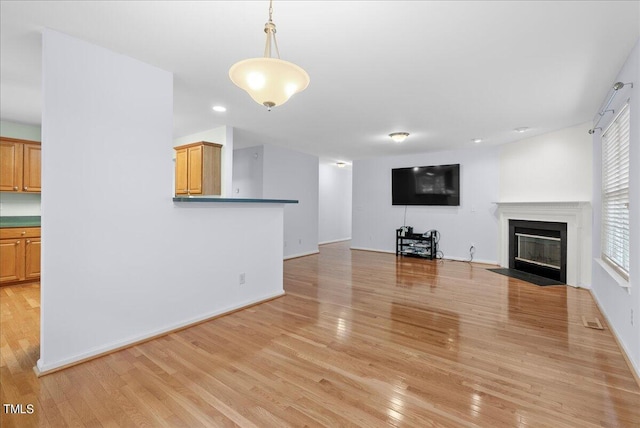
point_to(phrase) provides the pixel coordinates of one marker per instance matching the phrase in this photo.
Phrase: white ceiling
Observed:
(446, 72)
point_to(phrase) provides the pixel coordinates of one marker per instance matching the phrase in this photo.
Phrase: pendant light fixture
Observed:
(399, 137)
(269, 81)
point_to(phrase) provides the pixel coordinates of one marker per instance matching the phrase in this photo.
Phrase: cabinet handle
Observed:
(17, 242)
(23, 233)
(28, 241)
(15, 187)
(26, 188)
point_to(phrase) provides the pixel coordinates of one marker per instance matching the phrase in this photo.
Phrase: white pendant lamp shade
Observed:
(269, 81)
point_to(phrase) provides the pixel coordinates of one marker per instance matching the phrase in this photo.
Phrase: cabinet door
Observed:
(182, 172)
(211, 171)
(32, 258)
(10, 166)
(11, 260)
(32, 166)
(195, 170)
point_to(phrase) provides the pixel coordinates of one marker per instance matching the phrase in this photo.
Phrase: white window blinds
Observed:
(615, 193)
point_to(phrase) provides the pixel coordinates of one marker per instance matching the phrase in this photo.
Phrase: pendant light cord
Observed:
(270, 29)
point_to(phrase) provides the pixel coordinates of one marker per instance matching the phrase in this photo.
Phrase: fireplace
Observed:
(576, 215)
(539, 248)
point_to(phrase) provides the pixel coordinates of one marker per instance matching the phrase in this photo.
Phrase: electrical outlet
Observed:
(242, 278)
(300, 241)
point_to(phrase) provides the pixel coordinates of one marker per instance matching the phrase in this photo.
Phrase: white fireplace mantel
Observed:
(577, 215)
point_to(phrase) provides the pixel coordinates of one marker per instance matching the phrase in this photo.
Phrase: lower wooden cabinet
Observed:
(32, 259)
(19, 254)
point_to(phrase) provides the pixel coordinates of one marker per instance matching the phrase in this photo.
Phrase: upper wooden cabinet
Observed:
(198, 169)
(20, 165)
(31, 180)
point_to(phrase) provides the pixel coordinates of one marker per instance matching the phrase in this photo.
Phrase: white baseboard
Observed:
(295, 256)
(635, 370)
(458, 259)
(375, 250)
(479, 261)
(334, 241)
(98, 351)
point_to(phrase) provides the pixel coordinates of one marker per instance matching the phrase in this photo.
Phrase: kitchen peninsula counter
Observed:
(235, 200)
(19, 221)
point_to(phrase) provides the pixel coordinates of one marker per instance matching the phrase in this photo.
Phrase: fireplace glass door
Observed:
(539, 250)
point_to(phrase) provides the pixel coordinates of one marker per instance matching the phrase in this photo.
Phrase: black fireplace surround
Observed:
(538, 230)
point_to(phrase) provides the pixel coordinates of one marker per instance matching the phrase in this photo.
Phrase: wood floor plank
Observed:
(361, 339)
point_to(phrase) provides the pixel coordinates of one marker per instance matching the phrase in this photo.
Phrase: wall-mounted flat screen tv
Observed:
(426, 185)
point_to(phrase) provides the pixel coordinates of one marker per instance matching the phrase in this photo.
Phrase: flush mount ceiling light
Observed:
(399, 137)
(341, 164)
(521, 129)
(477, 140)
(219, 109)
(269, 81)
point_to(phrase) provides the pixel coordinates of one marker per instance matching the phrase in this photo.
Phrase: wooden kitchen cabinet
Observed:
(10, 166)
(20, 165)
(32, 259)
(19, 254)
(31, 168)
(198, 169)
(11, 260)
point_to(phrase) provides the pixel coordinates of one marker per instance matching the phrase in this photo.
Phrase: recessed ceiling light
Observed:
(477, 140)
(219, 109)
(341, 164)
(521, 129)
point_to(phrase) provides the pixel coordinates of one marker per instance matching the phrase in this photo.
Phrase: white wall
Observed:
(19, 130)
(293, 175)
(552, 167)
(619, 303)
(19, 204)
(221, 135)
(375, 220)
(120, 261)
(248, 172)
(273, 172)
(334, 200)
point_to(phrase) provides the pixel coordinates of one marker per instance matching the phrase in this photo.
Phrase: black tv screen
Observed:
(426, 185)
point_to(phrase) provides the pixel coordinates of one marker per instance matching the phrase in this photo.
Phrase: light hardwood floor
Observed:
(360, 339)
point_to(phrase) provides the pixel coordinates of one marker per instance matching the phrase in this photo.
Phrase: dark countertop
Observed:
(20, 221)
(236, 200)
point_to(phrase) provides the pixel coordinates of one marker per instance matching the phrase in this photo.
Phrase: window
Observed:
(615, 194)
